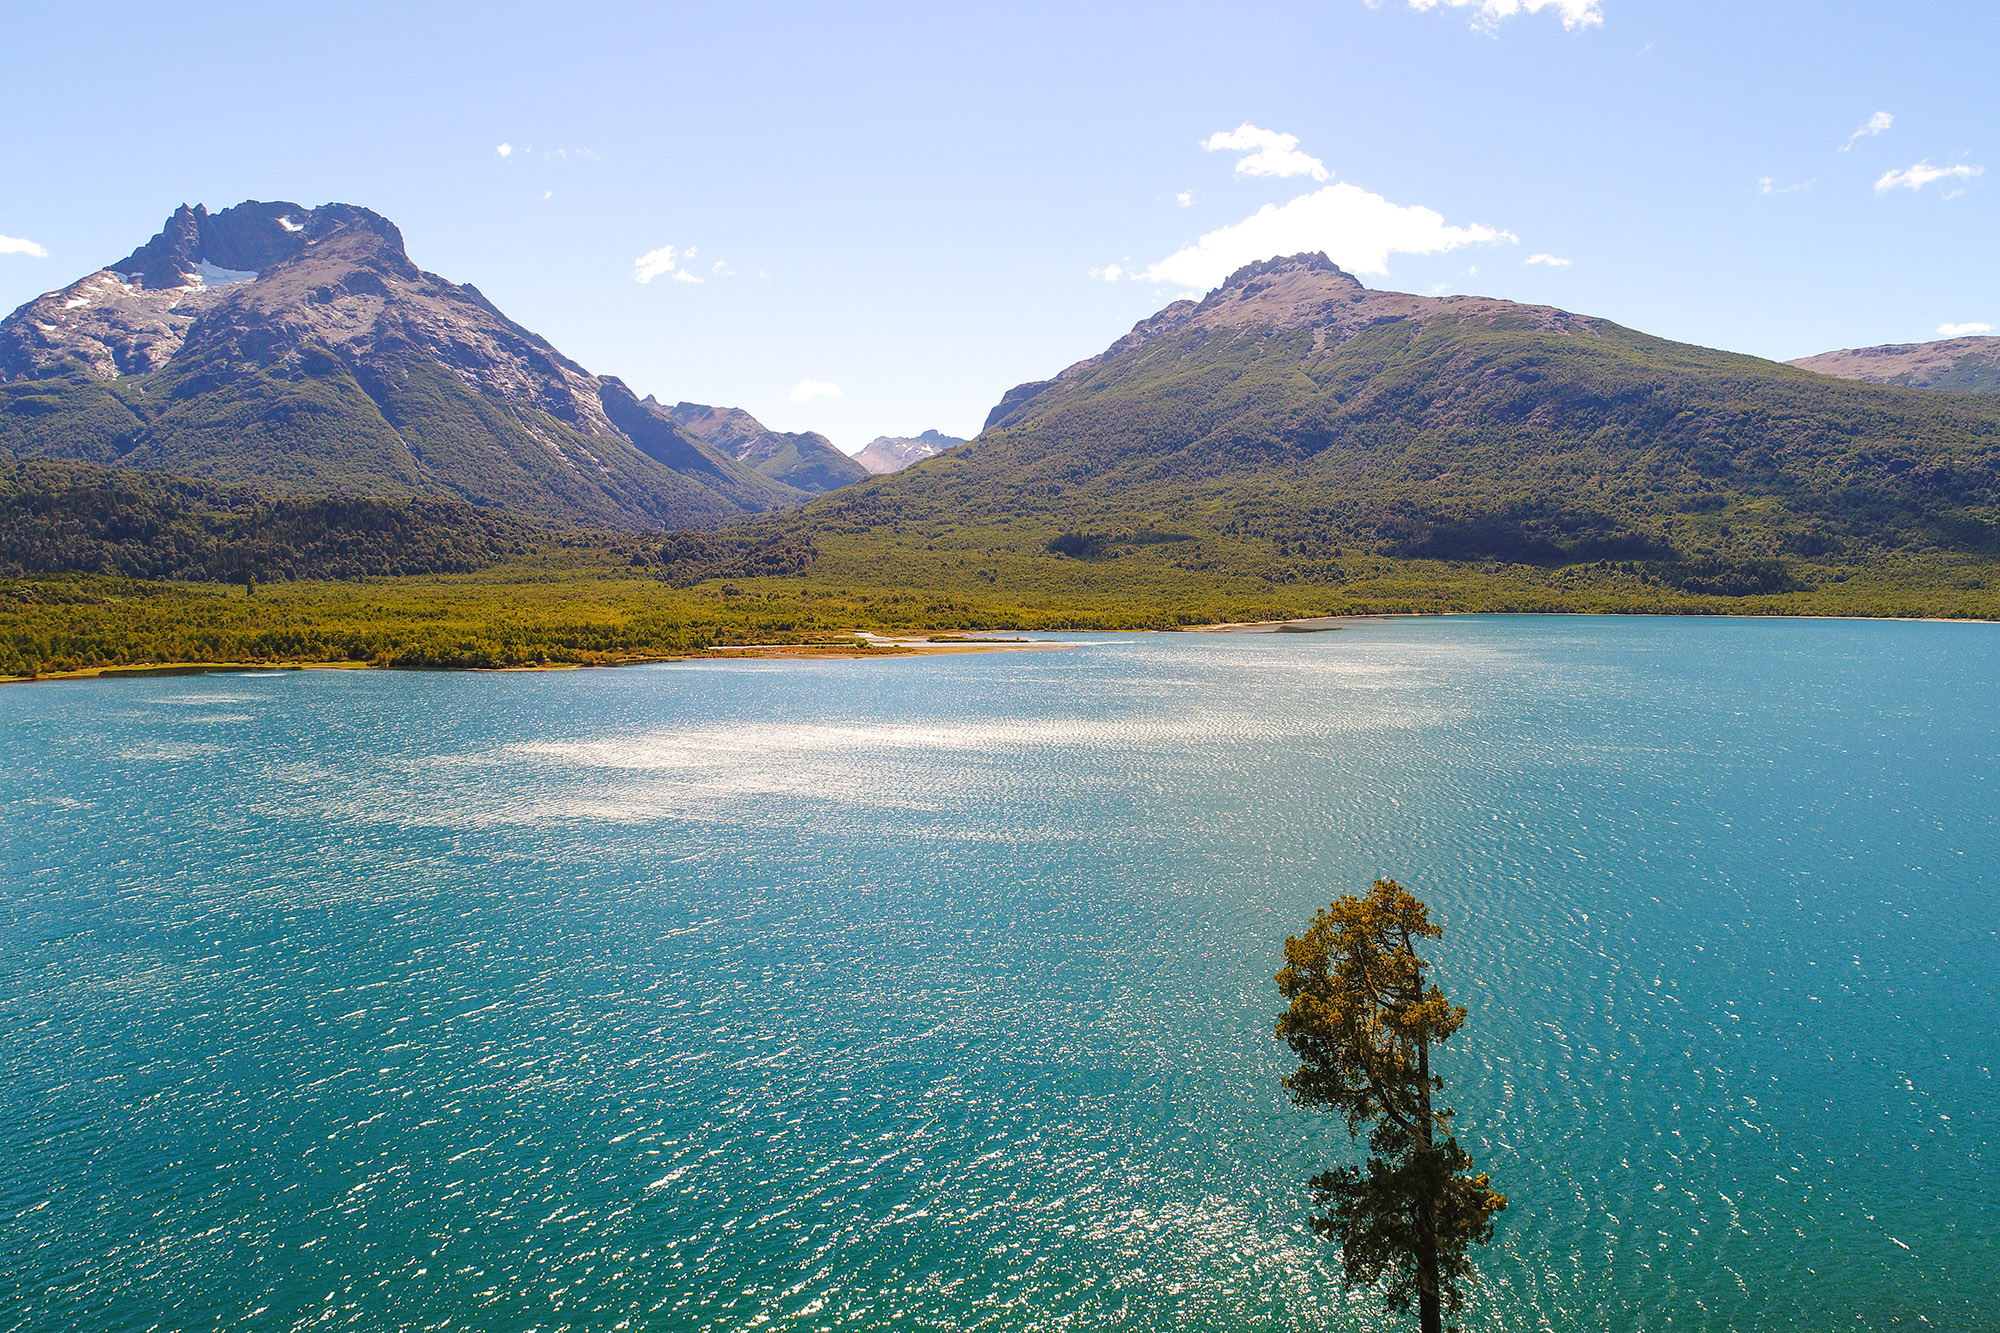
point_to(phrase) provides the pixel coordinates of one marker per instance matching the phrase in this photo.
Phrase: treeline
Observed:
(62, 518)
(74, 518)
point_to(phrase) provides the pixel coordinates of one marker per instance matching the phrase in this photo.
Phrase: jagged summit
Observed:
(893, 453)
(195, 244)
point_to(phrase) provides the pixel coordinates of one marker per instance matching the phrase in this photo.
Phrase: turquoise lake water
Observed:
(936, 993)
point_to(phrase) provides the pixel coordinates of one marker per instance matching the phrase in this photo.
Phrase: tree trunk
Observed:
(1430, 1318)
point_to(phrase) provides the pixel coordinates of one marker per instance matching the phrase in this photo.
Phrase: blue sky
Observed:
(919, 206)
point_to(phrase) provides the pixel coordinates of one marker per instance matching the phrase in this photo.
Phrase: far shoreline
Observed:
(867, 646)
(942, 643)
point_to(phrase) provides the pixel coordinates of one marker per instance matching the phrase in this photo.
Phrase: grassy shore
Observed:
(592, 606)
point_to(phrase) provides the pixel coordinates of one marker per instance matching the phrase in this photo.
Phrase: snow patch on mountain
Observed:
(212, 275)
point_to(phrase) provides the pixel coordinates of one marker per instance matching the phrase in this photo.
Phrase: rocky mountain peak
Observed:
(199, 248)
(893, 453)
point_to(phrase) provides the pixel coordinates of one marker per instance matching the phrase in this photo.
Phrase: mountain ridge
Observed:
(1963, 364)
(340, 367)
(804, 459)
(1293, 413)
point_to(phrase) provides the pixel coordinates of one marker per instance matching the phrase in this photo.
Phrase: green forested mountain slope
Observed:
(298, 350)
(76, 518)
(1293, 415)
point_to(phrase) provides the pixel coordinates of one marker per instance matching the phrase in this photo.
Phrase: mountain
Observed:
(806, 460)
(1293, 416)
(1969, 365)
(296, 350)
(893, 453)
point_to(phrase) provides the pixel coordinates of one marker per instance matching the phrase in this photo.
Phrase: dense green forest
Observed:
(74, 518)
(624, 599)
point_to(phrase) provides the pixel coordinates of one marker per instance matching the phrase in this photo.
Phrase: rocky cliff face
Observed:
(1968, 365)
(893, 453)
(297, 349)
(805, 459)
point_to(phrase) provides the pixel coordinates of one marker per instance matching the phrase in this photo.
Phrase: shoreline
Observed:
(1318, 624)
(867, 645)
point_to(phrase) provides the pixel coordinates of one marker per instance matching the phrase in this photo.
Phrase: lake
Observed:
(935, 993)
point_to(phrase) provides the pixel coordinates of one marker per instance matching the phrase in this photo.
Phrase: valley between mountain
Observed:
(268, 436)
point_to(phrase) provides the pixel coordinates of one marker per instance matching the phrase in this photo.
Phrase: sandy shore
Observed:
(1311, 625)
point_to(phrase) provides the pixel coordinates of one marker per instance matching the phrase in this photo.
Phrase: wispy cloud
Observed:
(1487, 14)
(1551, 260)
(1768, 185)
(1356, 229)
(1184, 198)
(14, 245)
(505, 150)
(1873, 126)
(1109, 273)
(1922, 174)
(1268, 153)
(807, 390)
(662, 263)
(1962, 330)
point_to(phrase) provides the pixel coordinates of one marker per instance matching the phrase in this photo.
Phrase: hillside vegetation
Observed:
(1273, 449)
(634, 598)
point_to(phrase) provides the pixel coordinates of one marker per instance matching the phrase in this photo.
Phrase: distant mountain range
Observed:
(806, 460)
(893, 453)
(294, 352)
(1297, 412)
(297, 350)
(1967, 365)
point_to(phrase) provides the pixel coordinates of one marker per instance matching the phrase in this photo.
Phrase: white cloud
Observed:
(1922, 174)
(720, 268)
(1551, 260)
(505, 150)
(14, 245)
(807, 390)
(1109, 273)
(1184, 198)
(1768, 185)
(1874, 125)
(1962, 330)
(660, 263)
(1576, 14)
(1356, 229)
(1269, 153)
